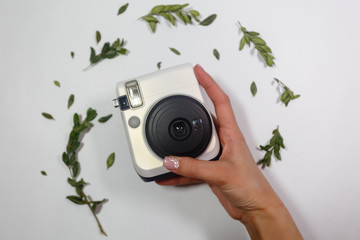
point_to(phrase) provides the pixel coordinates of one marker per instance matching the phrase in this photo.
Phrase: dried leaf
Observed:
(98, 37)
(216, 54)
(76, 199)
(72, 54)
(56, 83)
(158, 65)
(175, 51)
(71, 101)
(105, 118)
(48, 116)
(110, 160)
(207, 21)
(43, 173)
(123, 8)
(253, 89)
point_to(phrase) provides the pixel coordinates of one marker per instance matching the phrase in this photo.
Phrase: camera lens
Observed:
(178, 125)
(179, 129)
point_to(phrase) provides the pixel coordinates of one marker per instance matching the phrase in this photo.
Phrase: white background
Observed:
(316, 45)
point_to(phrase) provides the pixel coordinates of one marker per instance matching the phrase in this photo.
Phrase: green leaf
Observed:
(123, 8)
(90, 115)
(242, 43)
(65, 159)
(105, 48)
(152, 26)
(71, 101)
(175, 7)
(149, 19)
(265, 148)
(75, 169)
(157, 9)
(72, 182)
(175, 51)
(158, 65)
(72, 159)
(92, 54)
(258, 40)
(56, 83)
(207, 21)
(98, 37)
(76, 199)
(76, 120)
(105, 118)
(43, 173)
(48, 116)
(110, 160)
(253, 34)
(216, 54)
(247, 40)
(253, 89)
(172, 19)
(72, 54)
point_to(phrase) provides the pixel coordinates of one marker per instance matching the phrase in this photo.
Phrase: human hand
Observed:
(235, 178)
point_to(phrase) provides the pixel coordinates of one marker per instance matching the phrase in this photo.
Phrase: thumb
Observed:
(206, 171)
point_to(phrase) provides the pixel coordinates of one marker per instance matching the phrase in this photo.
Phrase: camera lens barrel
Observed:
(178, 125)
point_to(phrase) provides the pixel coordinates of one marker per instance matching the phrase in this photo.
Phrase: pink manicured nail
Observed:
(171, 163)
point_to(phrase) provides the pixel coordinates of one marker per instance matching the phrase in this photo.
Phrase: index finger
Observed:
(221, 101)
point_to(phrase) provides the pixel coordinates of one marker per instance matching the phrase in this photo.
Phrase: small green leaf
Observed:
(253, 34)
(92, 54)
(110, 160)
(258, 40)
(65, 159)
(175, 51)
(90, 115)
(105, 118)
(98, 37)
(242, 43)
(48, 116)
(123, 8)
(216, 54)
(152, 26)
(56, 83)
(72, 54)
(76, 199)
(149, 19)
(72, 182)
(76, 120)
(253, 89)
(207, 21)
(75, 169)
(158, 65)
(71, 101)
(43, 173)
(157, 9)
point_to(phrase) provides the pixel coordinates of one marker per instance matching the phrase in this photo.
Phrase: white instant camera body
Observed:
(164, 114)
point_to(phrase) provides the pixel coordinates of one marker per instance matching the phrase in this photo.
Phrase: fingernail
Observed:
(199, 66)
(171, 163)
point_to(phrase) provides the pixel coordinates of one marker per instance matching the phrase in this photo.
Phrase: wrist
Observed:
(271, 222)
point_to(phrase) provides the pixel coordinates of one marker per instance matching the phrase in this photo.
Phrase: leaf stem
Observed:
(94, 214)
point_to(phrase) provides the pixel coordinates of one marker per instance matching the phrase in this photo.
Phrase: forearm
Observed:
(271, 223)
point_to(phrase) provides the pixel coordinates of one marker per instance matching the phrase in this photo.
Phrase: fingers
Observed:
(192, 168)
(220, 100)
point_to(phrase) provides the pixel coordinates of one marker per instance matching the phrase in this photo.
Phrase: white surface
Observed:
(317, 51)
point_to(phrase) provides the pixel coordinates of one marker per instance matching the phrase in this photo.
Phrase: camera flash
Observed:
(134, 95)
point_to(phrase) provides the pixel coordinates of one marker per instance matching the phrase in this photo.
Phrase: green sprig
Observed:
(287, 95)
(70, 159)
(259, 43)
(108, 51)
(171, 13)
(274, 146)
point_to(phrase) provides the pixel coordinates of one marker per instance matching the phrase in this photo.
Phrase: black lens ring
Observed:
(168, 110)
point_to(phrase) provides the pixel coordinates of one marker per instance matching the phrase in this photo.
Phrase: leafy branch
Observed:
(169, 12)
(70, 159)
(259, 43)
(276, 142)
(287, 95)
(108, 51)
